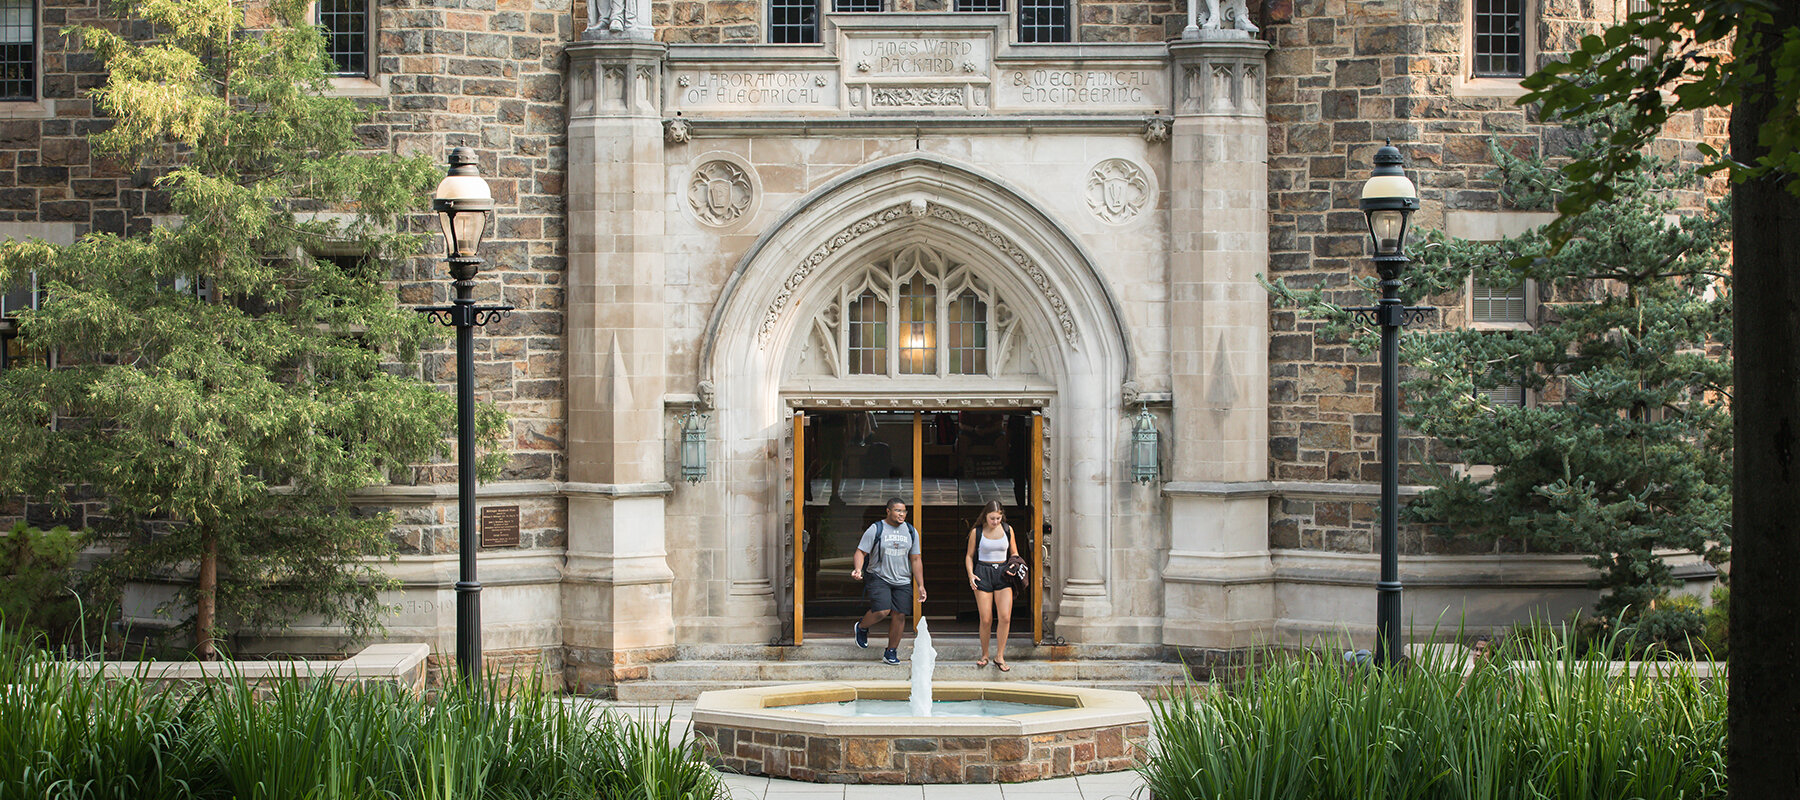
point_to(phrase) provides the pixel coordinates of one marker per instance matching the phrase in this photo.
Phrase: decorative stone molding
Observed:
(1156, 130)
(1220, 78)
(1117, 190)
(917, 96)
(1031, 269)
(898, 211)
(720, 192)
(987, 399)
(618, 77)
(677, 131)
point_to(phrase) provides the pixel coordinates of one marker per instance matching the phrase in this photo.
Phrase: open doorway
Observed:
(944, 465)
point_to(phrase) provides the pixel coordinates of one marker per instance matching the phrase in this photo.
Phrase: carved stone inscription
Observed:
(919, 57)
(749, 90)
(1060, 88)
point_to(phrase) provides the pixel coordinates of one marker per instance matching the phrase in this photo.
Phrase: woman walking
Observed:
(990, 543)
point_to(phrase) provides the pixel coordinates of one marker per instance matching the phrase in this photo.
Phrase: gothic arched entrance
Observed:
(925, 293)
(919, 318)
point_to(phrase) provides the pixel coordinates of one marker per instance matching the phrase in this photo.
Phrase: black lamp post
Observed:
(1389, 199)
(462, 202)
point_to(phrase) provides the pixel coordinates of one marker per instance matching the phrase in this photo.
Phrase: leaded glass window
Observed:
(867, 330)
(918, 312)
(18, 50)
(345, 24)
(1499, 38)
(794, 21)
(1497, 303)
(1043, 21)
(918, 327)
(965, 334)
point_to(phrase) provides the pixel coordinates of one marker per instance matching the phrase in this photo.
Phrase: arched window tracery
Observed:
(917, 312)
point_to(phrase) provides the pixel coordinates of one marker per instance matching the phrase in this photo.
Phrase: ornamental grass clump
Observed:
(65, 735)
(1507, 728)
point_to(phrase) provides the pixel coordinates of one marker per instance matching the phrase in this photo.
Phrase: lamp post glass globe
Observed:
(1388, 200)
(462, 201)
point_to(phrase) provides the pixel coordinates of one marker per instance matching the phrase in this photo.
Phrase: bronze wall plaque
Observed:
(500, 526)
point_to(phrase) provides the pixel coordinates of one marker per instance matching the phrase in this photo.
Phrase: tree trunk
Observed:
(206, 598)
(1764, 754)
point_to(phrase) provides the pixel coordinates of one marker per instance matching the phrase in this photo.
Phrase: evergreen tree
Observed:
(220, 389)
(1627, 451)
(1678, 56)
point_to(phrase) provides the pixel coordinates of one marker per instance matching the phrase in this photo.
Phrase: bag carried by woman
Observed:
(1016, 573)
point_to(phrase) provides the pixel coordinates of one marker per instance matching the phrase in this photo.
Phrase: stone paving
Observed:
(1110, 786)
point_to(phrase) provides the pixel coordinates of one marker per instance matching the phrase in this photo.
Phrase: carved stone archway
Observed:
(768, 305)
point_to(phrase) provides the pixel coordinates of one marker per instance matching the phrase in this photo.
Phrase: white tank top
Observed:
(992, 551)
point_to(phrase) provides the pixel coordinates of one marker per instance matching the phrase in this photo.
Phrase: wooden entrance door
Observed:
(945, 465)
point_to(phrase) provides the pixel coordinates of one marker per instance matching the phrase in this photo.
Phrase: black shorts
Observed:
(990, 577)
(884, 596)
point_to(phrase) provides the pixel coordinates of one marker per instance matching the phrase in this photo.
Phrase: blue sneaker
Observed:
(890, 656)
(862, 634)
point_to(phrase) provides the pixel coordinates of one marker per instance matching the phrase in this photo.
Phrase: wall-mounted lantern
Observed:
(1145, 465)
(693, 446)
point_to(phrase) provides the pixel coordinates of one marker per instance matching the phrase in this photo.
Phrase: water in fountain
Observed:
(924, 660)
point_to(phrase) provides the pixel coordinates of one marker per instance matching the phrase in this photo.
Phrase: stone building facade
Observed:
(692, 216)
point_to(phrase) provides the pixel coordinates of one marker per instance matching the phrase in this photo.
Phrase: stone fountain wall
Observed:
(923, 759)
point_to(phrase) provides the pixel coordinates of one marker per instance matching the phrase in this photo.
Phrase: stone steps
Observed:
(657, 692)
(871, 668)
(955, 647)
(703, 668)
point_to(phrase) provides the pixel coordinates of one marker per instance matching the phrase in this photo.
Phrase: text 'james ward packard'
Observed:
(919, 56)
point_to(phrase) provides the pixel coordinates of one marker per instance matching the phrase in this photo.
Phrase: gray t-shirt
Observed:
(891, 561)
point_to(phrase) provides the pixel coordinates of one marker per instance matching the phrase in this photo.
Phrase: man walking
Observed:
(892, 549)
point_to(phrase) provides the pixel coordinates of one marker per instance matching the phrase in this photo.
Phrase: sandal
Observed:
(1003, 666)
(981, 662)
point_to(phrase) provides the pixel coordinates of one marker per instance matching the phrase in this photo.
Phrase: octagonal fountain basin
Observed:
(864, 732)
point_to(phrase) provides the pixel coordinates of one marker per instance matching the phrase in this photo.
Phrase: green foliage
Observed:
(1717, 621)
(1627, 452)
(240, 418)
(1673, 625)
(65, 736)
(1508, 728)
(37, 582)
(1683, 55)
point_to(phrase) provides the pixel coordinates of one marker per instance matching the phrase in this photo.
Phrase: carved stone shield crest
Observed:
(1117, 190)
(719, 192)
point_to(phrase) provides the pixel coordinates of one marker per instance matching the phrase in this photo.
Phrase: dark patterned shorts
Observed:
(990, 577)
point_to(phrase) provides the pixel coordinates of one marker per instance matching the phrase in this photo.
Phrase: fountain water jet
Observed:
(924, 662)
